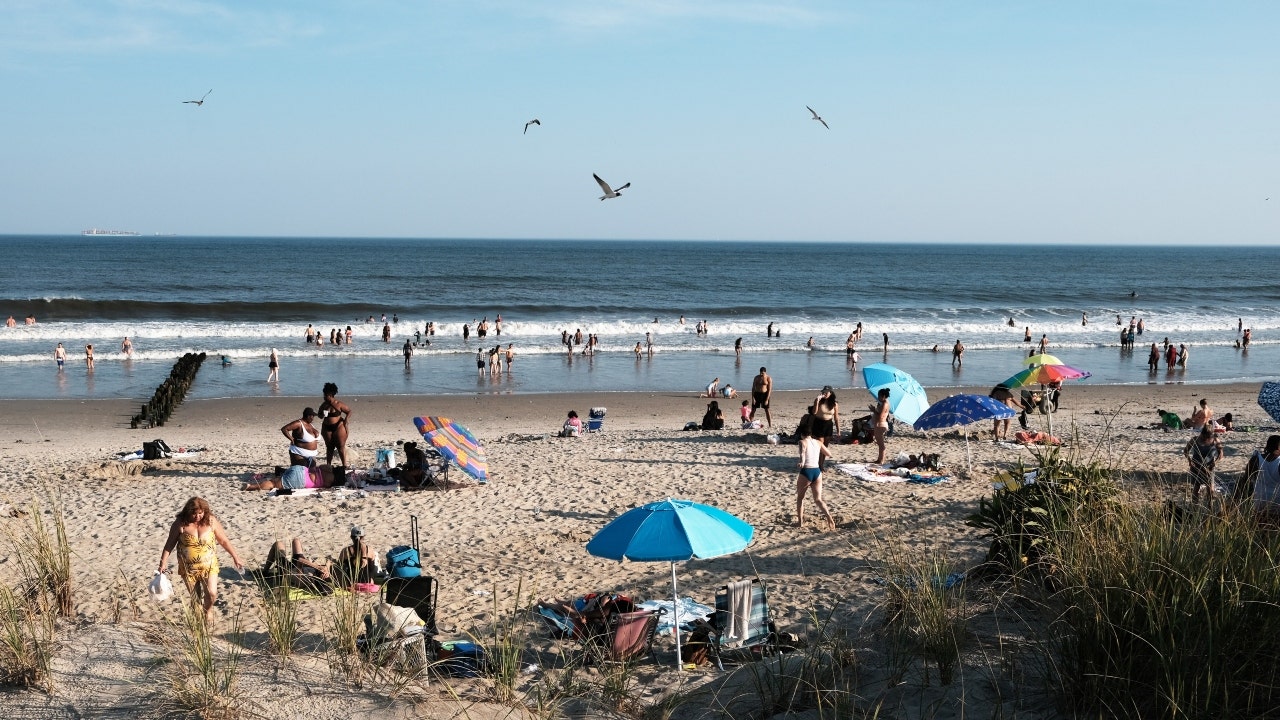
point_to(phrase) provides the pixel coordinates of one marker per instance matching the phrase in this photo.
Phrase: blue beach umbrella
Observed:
(1269, 399)
(907, 399)
(671, 531)
(961, 411)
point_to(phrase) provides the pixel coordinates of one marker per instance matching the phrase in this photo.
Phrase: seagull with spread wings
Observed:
(534, 121)
(608, 191)
(818, 117)
(199, 102)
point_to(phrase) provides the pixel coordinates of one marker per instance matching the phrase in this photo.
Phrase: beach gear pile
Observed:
(170, 394)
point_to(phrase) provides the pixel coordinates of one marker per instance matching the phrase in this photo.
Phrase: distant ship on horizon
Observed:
(99, 231)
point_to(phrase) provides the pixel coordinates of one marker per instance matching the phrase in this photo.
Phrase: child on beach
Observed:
(812, 455)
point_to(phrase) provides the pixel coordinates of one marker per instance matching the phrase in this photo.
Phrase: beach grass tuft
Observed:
(200, 676)
(279, 612)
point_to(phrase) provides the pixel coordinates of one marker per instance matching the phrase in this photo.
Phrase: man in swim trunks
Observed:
(761, 393)
(60, 355)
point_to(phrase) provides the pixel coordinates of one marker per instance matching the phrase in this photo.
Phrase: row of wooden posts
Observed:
(170, 394)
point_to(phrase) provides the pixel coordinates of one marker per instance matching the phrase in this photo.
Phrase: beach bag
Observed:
(402, 562)
(155, 450)
(461, 659)
(160, 588)
(385, 459)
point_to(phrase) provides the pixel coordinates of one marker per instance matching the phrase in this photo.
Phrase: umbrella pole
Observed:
(675, 617)
(967, 452)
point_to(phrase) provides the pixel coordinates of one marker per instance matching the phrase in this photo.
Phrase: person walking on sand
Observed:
(126, 347)
(60, 356)
(761, 394)
(1202, 452)
(880, 416)
(274, 365)
(957, 355)
(193, 535)
(812, 455)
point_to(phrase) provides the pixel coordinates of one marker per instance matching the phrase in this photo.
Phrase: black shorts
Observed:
(759, 400)
(822, 428)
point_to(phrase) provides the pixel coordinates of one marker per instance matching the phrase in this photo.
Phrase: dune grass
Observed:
(30, 609)
(1147, 609)
(200, 676)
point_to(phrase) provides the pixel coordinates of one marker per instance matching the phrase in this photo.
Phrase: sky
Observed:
(1110, 121)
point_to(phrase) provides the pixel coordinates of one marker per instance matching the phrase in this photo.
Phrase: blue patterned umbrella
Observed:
(1269, 399)
(962, 410)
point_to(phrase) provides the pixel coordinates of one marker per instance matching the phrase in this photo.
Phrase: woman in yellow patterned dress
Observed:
(194, 534)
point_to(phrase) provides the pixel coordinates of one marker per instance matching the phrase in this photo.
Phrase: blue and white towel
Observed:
(689, 613)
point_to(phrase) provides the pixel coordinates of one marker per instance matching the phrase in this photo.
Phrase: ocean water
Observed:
(241, 297)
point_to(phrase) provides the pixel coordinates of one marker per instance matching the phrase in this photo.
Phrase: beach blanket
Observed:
(688, 613)
(180, 454)
(342, 493)
(881, 473)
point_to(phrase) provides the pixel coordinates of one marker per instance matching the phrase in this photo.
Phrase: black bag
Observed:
(155, 450)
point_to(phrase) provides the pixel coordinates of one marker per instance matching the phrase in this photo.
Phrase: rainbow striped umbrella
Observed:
(1043, 375)
(456, 443)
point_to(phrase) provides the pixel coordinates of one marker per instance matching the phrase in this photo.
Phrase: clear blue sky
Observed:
(1112, 121)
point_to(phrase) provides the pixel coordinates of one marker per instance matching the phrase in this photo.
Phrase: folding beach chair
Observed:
(607, 625)
(758, 628)
(595, 419)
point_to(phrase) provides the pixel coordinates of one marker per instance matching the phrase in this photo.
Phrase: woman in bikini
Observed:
(194, 534)
(304, 441)
(826, 416)
(880, 414)
(334, 425)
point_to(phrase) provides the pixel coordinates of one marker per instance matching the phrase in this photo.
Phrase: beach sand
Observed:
(527, 527)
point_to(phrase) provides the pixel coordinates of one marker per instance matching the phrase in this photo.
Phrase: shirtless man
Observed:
(957, 355)
(10, 322)
(761, 393)
(60, 355)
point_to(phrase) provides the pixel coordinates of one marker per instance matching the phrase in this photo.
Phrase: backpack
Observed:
(155, 450)
(402, 562)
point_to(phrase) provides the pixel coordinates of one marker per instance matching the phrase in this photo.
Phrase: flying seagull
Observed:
(199, 102)
(534, 121)
(818, 117)
(608, 191)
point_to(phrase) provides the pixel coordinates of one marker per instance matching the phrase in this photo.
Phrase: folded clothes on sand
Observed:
(882, 473)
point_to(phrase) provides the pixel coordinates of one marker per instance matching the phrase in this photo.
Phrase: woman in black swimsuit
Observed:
(333, 428)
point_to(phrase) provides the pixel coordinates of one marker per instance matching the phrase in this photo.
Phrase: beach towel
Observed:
(1036, 438)
(687, 614)
(739, 609)
(176, 455)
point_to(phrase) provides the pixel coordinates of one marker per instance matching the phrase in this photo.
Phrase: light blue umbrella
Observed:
(671, 531)
(907, 399)
(962, 410)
